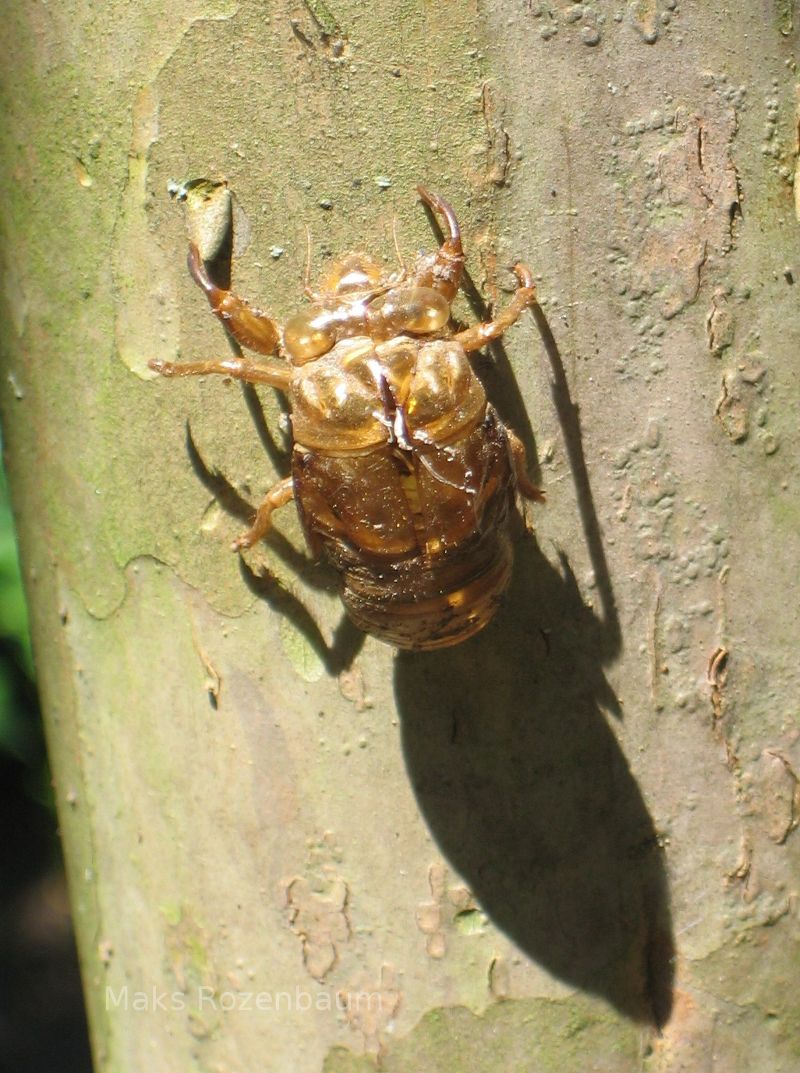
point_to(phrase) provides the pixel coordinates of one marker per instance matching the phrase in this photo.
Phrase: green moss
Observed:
(470, 922)
(300, 651)
(340, 1060)
(514, 1036)
(784, 12)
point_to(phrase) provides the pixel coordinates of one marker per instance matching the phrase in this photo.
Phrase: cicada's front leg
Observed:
(441, 270)
(249, 327)
(525, 295)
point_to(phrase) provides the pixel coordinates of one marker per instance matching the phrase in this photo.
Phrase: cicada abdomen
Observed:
(408, 497)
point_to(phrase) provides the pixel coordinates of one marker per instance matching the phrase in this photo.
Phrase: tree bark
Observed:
(288, 851)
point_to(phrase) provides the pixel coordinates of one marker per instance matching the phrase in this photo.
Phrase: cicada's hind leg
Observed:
(249, 327)
(441, 270)
(525, 485)
(479, 335)
(277, 496)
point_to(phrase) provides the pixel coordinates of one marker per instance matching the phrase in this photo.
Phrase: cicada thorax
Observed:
(357, 301)
(402, 476)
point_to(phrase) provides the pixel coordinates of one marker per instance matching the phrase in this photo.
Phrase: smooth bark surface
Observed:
(291, 851)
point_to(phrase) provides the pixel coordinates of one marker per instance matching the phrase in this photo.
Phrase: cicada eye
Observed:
(308, 335)
(418, 310)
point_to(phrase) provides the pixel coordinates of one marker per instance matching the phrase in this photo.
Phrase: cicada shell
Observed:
(403, 474)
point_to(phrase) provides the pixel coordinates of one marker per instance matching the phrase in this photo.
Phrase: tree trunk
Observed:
(526, 852)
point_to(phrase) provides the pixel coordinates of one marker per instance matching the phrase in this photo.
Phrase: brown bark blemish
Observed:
(498, 161)
(320, 921)
(719, 323)
(690, 209)
(370, 1009)
(779, 796)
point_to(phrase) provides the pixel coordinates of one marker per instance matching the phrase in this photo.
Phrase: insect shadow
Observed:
(347, 639)
(514, 765)
(523, 783)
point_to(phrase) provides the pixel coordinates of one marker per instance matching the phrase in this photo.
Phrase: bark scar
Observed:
(499, 140)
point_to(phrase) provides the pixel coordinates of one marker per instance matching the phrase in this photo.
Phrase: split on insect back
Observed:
(403, 474)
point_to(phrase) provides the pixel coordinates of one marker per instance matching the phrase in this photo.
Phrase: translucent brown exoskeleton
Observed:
(403, 474)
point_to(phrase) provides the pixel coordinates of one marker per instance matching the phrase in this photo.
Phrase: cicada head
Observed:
(356, 273)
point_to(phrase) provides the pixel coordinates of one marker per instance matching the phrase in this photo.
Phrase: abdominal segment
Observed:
(421, 604)
(419, 533)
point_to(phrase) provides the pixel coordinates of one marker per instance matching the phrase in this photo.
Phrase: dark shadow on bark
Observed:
(527, 792)
(279, 454)
(347, 642)
(523, 783)
(510, 754)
